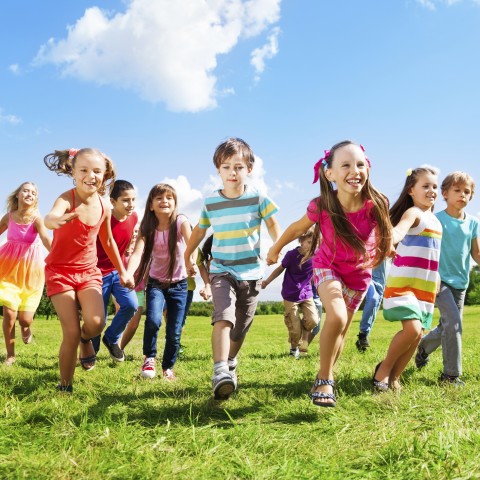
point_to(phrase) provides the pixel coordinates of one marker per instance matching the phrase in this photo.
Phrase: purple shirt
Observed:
(296, 286)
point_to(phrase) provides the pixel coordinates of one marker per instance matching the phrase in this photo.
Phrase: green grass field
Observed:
(119, 426)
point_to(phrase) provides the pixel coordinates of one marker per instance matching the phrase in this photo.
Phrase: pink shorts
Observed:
(59, 280)
(353, 298)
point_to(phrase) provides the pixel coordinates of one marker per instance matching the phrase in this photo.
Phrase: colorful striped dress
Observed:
(412, 282)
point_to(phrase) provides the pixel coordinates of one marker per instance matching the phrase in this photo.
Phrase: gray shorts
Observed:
(234, 301)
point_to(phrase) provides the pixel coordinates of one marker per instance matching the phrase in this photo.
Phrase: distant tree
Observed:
(46, 307)
(473, 290)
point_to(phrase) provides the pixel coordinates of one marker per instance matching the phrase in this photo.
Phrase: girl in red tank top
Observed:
(77, 217)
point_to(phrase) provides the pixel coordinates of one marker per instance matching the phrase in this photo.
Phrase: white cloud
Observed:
(166, 51)
(15, 69)
(269, 50)
(432, 4)
(9, 118)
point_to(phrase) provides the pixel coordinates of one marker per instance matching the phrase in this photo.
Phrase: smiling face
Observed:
(124, 205)
(27, 196)
(163, 203)
(425, 191)
(348, 169)
(88, 172)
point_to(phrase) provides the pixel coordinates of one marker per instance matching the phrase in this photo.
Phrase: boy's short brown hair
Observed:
(231, 147)
(458, 178)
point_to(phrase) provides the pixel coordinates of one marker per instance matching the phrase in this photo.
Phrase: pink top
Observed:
(161, 256)
(339, 256)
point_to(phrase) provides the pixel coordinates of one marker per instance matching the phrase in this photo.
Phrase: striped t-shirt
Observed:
(412, 282)
(236, 232)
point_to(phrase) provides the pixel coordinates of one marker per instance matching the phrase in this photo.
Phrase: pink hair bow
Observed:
(72, 152)
(322, 163)
(366, 158)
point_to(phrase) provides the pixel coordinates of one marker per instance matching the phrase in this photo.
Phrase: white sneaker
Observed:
(223, 385)
(148, 367)
(232, 368)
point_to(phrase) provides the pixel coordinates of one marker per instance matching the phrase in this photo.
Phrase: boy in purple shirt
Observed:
(297, 295)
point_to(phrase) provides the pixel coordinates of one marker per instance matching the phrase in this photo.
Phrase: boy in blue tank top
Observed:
(460, 243)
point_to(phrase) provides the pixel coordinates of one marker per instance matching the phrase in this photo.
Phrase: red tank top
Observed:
(74, 245)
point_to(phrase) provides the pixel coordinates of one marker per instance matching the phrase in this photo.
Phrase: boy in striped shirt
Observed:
(235, 213)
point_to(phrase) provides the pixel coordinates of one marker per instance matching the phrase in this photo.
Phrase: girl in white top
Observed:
(159, 250)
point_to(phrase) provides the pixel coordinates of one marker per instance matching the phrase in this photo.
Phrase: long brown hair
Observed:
(343, 230)
(148, 227)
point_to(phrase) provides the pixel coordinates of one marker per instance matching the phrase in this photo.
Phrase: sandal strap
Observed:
(322, 381)
(90, 359)
(323, 395)
(380, 385)
(82, 340)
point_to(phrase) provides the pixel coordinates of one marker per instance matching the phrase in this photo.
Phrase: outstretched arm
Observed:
(57, 217)
(43, 233)
(292, 232)
(409, 219)
(273, 228)
(277, 272)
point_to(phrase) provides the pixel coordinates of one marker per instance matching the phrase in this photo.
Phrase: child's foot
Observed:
(65, 388)
(295, 353)
(223, 385)
(148, 367)
(27, 336)
(322, 394)
(9, 361)
(168, 375)
(451, 380)
(87, 354)
(379, 386)
(421, 357)
(232, 369)
(362, 343)
(395, 385)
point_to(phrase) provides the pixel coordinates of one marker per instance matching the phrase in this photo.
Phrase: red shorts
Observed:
(59, 280)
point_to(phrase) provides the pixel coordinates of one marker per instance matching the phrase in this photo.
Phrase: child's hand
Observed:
(206, 292)
(264, 284)
(272, 256)
(127, 281)
(62, 220)
(191, 268)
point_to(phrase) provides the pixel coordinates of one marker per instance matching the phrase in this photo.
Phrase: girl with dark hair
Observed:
(352, 217)
(159, 250)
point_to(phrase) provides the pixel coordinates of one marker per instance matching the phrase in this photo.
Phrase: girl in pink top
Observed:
(21, 264)
(73, 279)
(353, 219)
(159, 250)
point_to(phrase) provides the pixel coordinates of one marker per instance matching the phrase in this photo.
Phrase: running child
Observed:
(21, 264)
(235, 213)
(301, 314)
(73, 279)
(356, 235)
(159, 250)
(460, 243)
(413, 280)
(123, 222)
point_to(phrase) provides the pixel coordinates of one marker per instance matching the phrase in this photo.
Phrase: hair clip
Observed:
(72, 152)
(323, 162)
(409, 172)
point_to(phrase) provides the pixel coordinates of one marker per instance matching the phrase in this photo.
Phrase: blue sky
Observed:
(157, 84)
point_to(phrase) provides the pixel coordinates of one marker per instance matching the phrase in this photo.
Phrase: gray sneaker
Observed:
(421, 357)
(295, 353)
(449, 380)
(116, 353)
(232, 368)
(223, 385)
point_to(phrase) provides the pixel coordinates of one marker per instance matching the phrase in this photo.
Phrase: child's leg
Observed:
(8, 324)
(65, 305)
(221, 340)
(127, 299)
(107, 286)
(176, 298)
(131, 328)
(155, 299)
(402, 363)
(25, 320)
(293, 323)
(403, 344)
(450, 303)
(336, 319)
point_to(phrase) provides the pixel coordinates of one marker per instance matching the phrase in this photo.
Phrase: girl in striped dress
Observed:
(413, 280)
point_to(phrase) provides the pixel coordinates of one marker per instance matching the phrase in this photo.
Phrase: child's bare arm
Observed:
(273, 228)
(198, 234)
(409, 219)
(43, 233)
(277, 272)
(4, 223)
(57, 217)
(292, 232)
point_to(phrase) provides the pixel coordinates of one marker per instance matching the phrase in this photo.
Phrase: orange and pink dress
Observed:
(22, 267)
